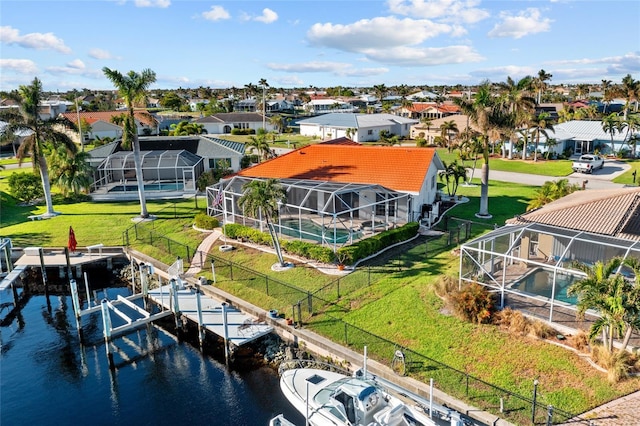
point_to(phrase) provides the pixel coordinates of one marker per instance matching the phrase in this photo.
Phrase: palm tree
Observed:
(71, 173)
(446, 129)
(260, 144)
(616, 299)
(262, 198)
(516, 97)
(278, 122)
(541, 126)
(263, 83)
(630, 90)
(133, 87)
(540, 83)
(551, 191)
(488, 116)
(452, 174)
(611, 124)
(26, 119)
(607, 96)
(380, 91)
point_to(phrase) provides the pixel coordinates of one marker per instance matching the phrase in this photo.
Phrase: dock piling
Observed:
(106, 323)
(86, 288)
(75, 301)
(200, 321)
(44, 272)
(226, 331)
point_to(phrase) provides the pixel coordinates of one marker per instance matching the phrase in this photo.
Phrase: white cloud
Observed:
(268, 16)
(153, 3)
(22, 66)
(77, 64)
(39, 41)
(217, 13)
(378, 33)
(527, 22)
(335, 68)
(424, 56)
(501, 73)
(459, 11)
(100, 54)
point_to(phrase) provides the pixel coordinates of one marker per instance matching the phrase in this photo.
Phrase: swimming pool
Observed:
(160, 186)
(540, 283)
(309, 230)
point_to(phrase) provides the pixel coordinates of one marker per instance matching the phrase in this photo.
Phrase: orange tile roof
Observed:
(93, 116)
(397, 168)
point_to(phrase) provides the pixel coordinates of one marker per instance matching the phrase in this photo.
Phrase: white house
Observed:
(357, 127)
(338, 192)
(324, 106)
(223, 123)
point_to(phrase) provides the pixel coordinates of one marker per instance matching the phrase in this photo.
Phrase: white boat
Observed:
(330, 398)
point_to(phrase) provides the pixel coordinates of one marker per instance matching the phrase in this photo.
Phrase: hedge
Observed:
(204, 221)
(369, 246)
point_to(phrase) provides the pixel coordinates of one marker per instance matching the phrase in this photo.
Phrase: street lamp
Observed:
(535, 395)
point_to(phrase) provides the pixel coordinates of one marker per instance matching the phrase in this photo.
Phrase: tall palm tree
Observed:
(516, 96)
(262, 198)
(133, 88)
(278, 122)
(611, 124)
(488, 116)
(607, 96)
(263, 83)
(631, 91)
(446, 129)
(540, 83)
(26, 119)
(380, 91)
(541, 126)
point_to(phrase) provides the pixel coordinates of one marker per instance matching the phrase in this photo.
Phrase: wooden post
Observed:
(66, 255)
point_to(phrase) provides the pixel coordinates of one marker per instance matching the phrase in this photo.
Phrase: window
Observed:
(433, 182)
(369, 132)
(214, 163)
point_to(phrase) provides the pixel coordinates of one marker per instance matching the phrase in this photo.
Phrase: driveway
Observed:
(600, 179)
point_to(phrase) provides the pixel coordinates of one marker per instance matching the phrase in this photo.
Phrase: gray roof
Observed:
(358, 121)
(584, 130)
(231, 117)
(219, 147)
(104, 151)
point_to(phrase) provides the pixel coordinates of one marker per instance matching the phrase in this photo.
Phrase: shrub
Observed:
(473, 303)
(421, 142)
(513, 321)
(204, 221)
(243, 131)
(580, 340)
(445, 285)
(25, 186)
(541, 329)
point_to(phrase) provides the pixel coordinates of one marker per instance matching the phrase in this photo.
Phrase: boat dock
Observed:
(216, 317)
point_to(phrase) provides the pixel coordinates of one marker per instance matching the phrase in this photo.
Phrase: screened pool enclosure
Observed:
(330, 213)
(536, 262)
(168, 170)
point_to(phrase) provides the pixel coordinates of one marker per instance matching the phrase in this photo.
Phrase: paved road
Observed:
(600, 179)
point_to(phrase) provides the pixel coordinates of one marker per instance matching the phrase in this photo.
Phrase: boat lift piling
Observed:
(201, 331)
(44, 273)
(226, 331)
(106, 325)
(77, 310)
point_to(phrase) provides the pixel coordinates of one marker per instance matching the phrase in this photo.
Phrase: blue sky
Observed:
(302, 43)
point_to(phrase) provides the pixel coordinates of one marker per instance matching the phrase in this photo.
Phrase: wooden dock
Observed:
(225, 321)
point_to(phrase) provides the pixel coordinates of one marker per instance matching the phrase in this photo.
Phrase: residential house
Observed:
(324, 106)
(193, 103)
(358, 127)
(165, 159)
(530, 263)
(339, 191)
(102, 123)
(224, 122)
(245, 105)
(428, 110)
(430, 129)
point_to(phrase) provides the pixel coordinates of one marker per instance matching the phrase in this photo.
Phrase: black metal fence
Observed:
(508, 405)
(305, 303)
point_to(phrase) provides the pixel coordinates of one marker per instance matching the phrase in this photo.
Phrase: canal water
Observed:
(48, 378)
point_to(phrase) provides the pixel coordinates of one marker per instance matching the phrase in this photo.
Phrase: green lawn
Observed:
(402, 307)
(556, 168)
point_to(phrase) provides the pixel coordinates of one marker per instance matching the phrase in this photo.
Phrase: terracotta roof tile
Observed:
(93, 116)
(397, 168)
(606, 212)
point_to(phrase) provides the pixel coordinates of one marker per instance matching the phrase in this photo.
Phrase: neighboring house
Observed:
(361, 127)
(530, 263)
(325, 106)
(102, 125)
(18, 137)
(586, 210)
(245, 105)
(153, 103)
(428, 110)
(340, 188)
(193, 103)
(224, 122)
(276, 105)
(581, 137)
(51, 108)
(430, 130)
(167, 159)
